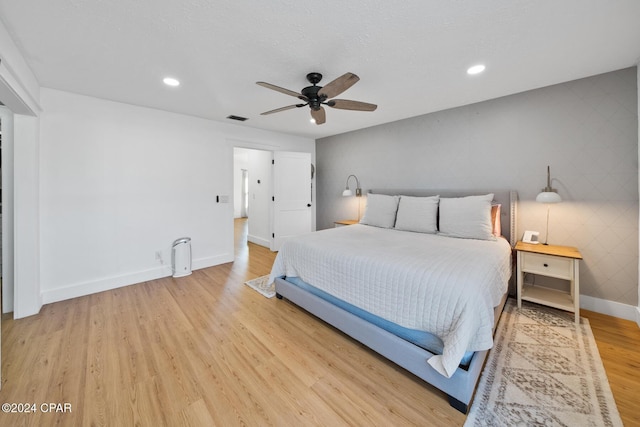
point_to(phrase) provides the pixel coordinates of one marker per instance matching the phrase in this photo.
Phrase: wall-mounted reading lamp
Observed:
(347, 191)
(548, 195)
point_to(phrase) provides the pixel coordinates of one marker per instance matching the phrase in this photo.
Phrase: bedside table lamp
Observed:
(548, 195)
(348, 193)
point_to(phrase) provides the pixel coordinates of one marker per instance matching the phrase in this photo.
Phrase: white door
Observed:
(292, 202)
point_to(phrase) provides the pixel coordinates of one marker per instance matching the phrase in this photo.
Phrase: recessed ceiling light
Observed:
(476, 69)
(170, 81)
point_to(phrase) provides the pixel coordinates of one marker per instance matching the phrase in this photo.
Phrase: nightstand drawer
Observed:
(547, 265)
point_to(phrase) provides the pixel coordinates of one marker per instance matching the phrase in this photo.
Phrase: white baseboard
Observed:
(259, 241)
(105, 284)
(199, 263)
(611, 308)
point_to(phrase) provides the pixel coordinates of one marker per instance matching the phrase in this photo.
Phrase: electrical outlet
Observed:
(159, 257)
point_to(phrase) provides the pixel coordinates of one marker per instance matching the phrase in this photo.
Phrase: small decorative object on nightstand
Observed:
(561, 262)
(345, 222)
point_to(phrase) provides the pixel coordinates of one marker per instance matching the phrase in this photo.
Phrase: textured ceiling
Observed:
(411, 56)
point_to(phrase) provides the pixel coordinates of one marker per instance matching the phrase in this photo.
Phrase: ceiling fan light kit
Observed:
(316, 96)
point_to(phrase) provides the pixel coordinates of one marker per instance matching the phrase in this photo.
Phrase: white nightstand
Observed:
(561, 262)
(345, 222)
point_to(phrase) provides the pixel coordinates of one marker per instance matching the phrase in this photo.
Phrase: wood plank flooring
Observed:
(207, 350)
(618, 343)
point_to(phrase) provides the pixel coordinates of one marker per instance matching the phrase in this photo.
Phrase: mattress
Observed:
(422, 339)
(441, 285)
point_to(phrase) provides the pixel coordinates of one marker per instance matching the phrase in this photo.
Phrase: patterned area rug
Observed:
(260, 284)
(543, 371)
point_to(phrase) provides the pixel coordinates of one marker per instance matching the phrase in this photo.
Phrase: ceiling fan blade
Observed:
(319, 116)
(339, 85)
(277, 110)
(346, 104)
(282, 90)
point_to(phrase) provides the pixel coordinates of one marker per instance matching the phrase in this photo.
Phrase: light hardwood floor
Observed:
(207, 350)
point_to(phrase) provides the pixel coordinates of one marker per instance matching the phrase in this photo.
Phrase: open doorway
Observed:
(279, 200)
(253, 190)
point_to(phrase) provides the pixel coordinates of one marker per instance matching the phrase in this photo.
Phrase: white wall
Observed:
(586, 130)
(240, 162)
(260, 193)
(120, 182)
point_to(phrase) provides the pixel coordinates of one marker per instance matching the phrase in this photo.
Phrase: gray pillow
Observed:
(467, 217)
(380, 211)
(418, 214)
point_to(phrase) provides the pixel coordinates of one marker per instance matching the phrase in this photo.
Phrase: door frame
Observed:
(7, 211)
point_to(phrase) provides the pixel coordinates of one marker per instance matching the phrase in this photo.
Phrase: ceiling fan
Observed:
(316, 96)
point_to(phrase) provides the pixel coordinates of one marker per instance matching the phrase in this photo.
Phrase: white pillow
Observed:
(467, 217)
(380, 211)
(418, 214)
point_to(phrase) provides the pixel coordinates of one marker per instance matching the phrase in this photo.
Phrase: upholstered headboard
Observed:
(507, 198)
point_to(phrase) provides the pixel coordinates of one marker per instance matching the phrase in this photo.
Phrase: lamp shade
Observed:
(347, 193)
(548, 197)
(548, 194)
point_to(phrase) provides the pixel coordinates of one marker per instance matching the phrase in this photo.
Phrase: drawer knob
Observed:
(546, 265)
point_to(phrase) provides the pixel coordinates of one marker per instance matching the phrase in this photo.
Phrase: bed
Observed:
(422, 282)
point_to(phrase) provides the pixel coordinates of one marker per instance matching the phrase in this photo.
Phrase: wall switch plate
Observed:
(224, 199)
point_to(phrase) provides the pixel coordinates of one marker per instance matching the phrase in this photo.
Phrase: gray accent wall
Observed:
(586, 130)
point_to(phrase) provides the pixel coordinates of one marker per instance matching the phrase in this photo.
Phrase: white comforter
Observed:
(442, 285)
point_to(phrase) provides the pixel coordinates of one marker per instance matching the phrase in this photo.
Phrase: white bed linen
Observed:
(446, 286)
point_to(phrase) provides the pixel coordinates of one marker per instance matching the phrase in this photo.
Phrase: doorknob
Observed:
(308, 205)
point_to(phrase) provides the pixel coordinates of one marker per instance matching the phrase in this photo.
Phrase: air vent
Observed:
(238, 118)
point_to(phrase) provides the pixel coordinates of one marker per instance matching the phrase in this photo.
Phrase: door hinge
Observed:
(273, 235)
(273, 198)
(273, 162)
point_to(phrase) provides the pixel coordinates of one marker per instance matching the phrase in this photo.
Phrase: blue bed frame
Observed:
(461, 386)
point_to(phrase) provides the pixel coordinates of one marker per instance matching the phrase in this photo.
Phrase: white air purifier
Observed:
(181, 257)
